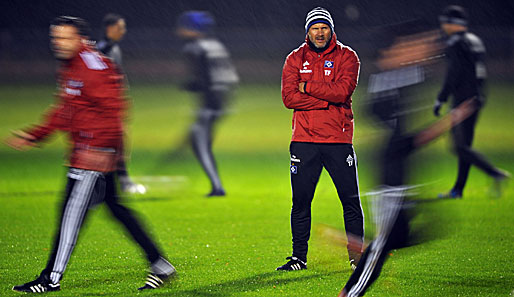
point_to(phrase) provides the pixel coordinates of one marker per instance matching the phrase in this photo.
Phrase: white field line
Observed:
(161, 179)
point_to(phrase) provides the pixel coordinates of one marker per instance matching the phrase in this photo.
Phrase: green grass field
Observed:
(231, 246)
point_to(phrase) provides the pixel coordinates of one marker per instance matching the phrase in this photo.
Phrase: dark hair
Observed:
(454, 14)
(82, 26)
(111, 19)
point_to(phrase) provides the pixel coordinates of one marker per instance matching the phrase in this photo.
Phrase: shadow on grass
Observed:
(481, 285)
(249, 284)
(27, 193)
(253, 283)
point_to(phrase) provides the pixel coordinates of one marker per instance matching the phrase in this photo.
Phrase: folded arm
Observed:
(341, 89)
(291, 95)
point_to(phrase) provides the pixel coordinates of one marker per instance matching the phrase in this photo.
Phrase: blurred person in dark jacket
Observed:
(114, 29)
(465, 78)
(213, 77)
(393, 103)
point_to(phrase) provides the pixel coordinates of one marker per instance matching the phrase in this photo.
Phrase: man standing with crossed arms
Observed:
(318, 80)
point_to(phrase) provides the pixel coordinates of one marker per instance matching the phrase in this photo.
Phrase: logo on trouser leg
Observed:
(349, 160)
(294, 159)
(294, 168)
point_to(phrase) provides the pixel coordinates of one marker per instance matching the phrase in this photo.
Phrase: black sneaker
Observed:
(128, 186)
(500, 182)
(353, 264)
(40, 285)
(453, 194)
(354, 258)
(293, 264)
(216, 193)
(155, 280)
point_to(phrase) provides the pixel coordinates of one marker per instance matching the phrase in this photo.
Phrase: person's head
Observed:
(453, 19)
(67, 35)
(319, 26)
(114, 27)
(195, 24)
(416, 49)
(411, 42)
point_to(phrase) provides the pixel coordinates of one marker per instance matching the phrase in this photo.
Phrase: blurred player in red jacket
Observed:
(318, 80)
(89, 109)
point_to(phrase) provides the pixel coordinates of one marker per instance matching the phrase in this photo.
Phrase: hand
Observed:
(437, 107)
(301, 87)
(20, 141)
(479, 101)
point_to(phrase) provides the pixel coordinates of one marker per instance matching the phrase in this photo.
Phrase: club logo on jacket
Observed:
(328, 64)
(349, 160)
(305, 70)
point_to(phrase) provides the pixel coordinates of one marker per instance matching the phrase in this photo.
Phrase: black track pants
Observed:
(462, 139)
(307, 161)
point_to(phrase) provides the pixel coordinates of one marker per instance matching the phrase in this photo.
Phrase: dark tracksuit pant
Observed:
(121, 167)
(390, 215)
(85, 189)
(462, 139)
(202, 135)
(393, 232)
(307, 161)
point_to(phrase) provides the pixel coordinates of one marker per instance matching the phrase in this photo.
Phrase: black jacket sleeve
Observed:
(196, 79)
(453, 72)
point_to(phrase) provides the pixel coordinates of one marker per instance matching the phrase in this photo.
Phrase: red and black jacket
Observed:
(324, 113)
(89, 108)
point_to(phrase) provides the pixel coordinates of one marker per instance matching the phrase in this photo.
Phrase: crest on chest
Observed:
(328, 67)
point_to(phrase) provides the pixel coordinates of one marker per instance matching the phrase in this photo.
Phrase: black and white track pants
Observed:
(84, 190)
(392, 224)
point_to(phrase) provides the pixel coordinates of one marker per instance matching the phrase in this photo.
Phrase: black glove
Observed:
(437, 107)
(479, 101)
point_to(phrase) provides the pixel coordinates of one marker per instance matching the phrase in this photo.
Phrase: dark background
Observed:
(259, 34)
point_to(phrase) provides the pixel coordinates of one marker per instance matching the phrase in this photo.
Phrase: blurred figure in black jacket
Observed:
(115, 29)
(465, 78)
(212, 75)
(392, 103)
